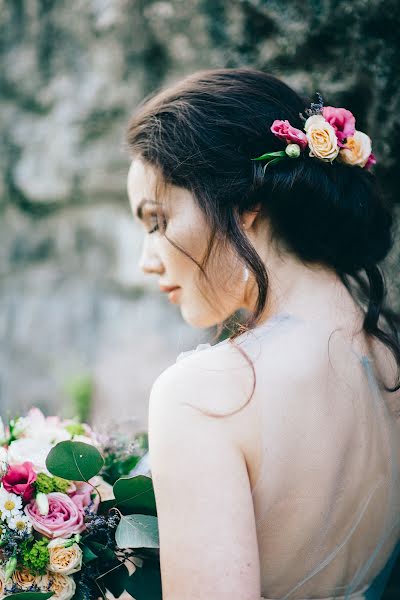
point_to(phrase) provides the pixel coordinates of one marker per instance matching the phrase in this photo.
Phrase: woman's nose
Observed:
(150, 261)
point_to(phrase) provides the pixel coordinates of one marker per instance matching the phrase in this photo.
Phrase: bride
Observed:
(274, 453)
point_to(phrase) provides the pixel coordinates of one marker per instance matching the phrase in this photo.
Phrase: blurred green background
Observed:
(81, 329)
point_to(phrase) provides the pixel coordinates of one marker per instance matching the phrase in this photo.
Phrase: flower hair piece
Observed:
(329, 134)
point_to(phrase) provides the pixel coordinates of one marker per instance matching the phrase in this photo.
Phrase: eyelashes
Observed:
(157, 226)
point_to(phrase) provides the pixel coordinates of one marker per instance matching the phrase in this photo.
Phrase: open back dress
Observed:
(330, 528)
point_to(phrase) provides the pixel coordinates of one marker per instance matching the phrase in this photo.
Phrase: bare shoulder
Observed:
(220, 378)
(211, 380)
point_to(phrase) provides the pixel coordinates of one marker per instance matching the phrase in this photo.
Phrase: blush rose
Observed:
(85, 496)
(285, 131)
(64, 518)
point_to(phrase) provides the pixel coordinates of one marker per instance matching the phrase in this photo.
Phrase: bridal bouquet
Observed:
(73, 522)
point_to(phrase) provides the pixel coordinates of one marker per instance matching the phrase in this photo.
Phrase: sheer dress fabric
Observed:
(341, 505)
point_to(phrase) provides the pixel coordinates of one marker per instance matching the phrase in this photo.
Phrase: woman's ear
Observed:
(248, 217)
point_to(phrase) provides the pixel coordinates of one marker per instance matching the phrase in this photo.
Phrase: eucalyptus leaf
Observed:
(115, 580)
(137, 531)
(145, 583)
(30, 595)
(135, 495)
(105, 506)
(88, 554)
(75, 461)
(101, 551)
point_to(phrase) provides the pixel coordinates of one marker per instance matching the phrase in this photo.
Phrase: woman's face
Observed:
(182, 221)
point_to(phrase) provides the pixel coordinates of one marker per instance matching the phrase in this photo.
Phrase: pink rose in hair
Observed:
(19, 480)
(371, 161)
(284, 131)
(63, 519)
(342, 121)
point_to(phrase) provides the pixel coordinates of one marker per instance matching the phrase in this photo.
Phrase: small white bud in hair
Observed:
(293, 150)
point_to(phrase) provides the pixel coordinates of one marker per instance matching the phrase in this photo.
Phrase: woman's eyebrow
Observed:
(139, 211)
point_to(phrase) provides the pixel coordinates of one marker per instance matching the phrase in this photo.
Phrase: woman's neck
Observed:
(310, 291)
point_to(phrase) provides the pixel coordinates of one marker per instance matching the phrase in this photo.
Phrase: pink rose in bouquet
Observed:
(85, 496)
(19, 480)
(63, 519)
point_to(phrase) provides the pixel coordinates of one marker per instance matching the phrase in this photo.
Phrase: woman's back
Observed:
(323, 463)
(327, 489)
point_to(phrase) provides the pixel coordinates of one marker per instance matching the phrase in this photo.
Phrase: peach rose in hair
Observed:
(357, 151)
(321, 137)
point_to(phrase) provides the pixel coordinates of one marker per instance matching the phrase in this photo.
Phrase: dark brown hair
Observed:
(201, 133)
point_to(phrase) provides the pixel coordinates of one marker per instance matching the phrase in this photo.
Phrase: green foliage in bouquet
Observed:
(135, 494)
(76, 461)
(137, 531)
(47, 484)
(35, 555)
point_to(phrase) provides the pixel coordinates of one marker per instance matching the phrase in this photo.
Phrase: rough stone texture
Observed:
(71, 296)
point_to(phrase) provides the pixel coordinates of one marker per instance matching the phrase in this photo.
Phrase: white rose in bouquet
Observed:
(34, 450)
(35, 425)
(65, 557)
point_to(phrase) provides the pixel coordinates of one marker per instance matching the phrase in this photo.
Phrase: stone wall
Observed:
(72, 299)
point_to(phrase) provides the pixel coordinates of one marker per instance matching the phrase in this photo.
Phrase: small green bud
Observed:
(10, 567)
(75, 429)
(293, 150)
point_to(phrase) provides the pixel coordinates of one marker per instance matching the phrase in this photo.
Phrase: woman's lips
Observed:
(167, 288)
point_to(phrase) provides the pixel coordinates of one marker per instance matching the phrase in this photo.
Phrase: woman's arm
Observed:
(208, 543)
